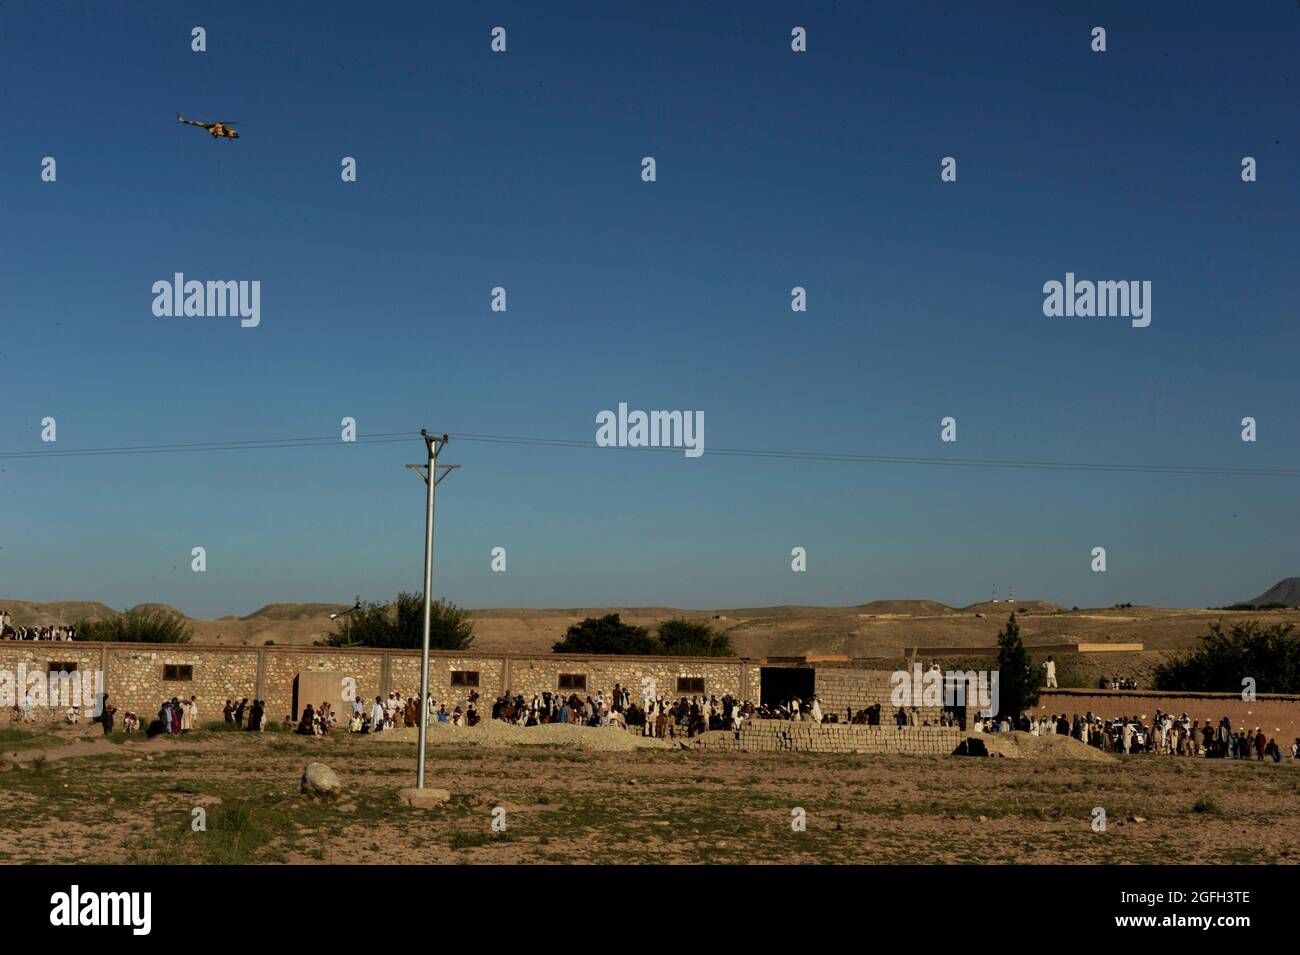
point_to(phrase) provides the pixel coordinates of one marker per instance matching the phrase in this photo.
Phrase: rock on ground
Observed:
(424, 798)
(319, 780)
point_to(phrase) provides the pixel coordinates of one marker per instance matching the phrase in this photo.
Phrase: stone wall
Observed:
(139, 677)
(136, 678)
(774, 736)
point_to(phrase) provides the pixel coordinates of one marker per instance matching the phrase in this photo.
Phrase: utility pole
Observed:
(432, 479)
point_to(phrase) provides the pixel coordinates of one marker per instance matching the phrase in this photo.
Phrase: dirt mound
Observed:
(1019, 745)
(497, 733)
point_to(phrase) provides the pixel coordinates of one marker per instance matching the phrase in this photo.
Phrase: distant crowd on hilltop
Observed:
(1116, 683)
(9, 632)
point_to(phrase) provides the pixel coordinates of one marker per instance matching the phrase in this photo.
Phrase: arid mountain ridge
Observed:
(878, 629)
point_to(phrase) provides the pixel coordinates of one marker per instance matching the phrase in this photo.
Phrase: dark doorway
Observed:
(779, 684)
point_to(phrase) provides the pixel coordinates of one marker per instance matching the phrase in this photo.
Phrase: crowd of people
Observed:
(9, 632)
(398, 710)
(665, 717)
(1165, 735)
(175, 716)
(655, 716)
(247, 716)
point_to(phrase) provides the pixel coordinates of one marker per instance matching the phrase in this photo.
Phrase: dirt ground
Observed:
(72, 797)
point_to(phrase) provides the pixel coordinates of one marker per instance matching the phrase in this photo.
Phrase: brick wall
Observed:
(773, 736)
(1276, 714)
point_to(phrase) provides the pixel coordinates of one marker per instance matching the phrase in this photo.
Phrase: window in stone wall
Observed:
(690, 684)
(573, 681)
(178, 671)
(68, 667)
(464, 677)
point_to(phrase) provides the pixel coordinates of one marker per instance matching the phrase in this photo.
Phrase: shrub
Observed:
(148, 625)
(1269, 655)
(400, 625)
(607, 634)
(683, 638)
(675, 638)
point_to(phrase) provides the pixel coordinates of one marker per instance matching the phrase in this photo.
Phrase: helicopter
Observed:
(217, 129)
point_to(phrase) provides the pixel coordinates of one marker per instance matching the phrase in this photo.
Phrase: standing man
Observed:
(1050, 667)
(106, 714)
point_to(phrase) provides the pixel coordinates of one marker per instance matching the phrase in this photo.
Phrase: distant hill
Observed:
(295, 611)
(1285, 591)
(55, 613)
(878, 630)
(1019, 606)
(905, 606)
(156, 608)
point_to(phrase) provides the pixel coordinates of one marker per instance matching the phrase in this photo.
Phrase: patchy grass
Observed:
(16, 738)
(136, 802)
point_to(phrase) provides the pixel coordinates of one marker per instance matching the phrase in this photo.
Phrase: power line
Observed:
(904, 459)
(241, 445)
(393, 437)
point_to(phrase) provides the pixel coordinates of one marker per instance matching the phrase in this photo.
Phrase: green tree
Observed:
(1018, 681)
(1268, 655)
(686, 638)
(400, 625)
(607, 634)
(147, 625)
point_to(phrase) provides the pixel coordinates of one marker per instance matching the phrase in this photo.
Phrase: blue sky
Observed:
(522, 170)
